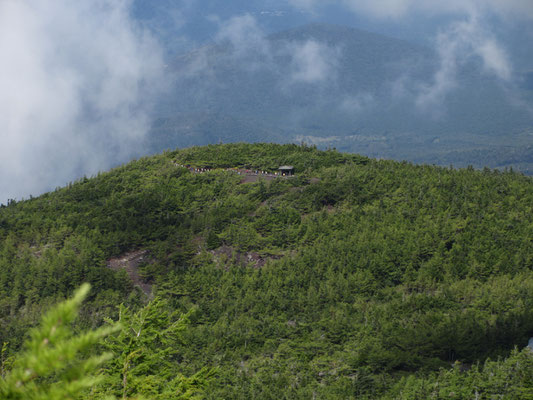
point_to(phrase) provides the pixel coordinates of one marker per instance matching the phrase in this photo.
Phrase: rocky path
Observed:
(248, 175)
(130, 262)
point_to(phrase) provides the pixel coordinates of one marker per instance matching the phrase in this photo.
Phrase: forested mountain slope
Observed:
(355, 278)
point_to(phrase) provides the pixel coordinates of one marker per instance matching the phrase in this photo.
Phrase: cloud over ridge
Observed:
(75, 84)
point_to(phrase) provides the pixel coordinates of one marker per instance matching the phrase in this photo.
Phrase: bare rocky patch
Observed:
(252, 259)
(130, 261)
(249, 178)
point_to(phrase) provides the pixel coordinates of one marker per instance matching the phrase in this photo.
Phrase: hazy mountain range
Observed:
(346, 88)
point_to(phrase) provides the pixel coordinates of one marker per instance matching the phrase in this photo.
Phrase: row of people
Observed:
(238, 171)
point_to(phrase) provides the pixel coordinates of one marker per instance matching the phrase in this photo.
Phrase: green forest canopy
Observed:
(356, 278)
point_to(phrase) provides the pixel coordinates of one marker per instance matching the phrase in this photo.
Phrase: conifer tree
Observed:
(145, 360)
(55, 364)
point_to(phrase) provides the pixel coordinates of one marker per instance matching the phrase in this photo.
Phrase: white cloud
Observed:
(494, 58)
(468, 36)
(244, 34)
(456, 45)
(74, 77)
(313, 62)
(293, 61)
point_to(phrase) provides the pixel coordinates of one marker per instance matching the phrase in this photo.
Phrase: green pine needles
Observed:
(145, 356)
(138, 359)
(56, 363)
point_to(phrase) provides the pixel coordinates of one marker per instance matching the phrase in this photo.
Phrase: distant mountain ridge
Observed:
(373, 86)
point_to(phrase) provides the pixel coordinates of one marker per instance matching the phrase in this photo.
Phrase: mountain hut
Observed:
(286, 170)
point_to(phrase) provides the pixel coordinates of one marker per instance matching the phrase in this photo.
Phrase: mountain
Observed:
(354, 278)
(345, 88)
